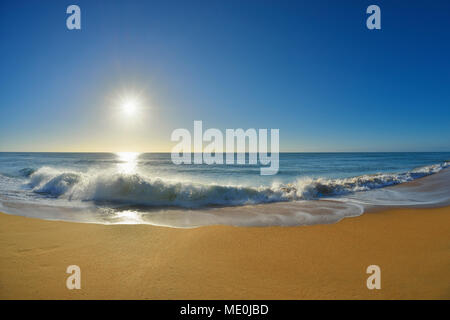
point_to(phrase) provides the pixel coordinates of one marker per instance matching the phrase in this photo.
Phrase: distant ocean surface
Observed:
(148, 188)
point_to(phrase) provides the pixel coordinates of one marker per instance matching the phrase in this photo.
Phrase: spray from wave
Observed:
(142, 190)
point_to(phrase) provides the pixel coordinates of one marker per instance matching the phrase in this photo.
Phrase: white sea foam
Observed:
(138, 189)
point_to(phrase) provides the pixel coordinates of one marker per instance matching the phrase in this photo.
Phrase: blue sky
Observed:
(310, 68)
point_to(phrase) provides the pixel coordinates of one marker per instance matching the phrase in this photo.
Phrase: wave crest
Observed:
(137, 189)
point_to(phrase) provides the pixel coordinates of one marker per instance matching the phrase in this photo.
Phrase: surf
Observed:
(150, 189)
(142, 190)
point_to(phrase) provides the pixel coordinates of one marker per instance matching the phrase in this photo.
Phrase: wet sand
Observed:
(411, 246)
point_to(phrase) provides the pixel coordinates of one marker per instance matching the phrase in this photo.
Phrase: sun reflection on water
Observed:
(128, 217)
(128, 162)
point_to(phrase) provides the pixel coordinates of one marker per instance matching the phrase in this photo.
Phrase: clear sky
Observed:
(310, 68)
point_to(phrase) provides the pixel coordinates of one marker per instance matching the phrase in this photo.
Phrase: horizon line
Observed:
(223, 152)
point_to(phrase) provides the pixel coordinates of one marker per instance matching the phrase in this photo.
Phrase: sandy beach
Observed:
(411, 246)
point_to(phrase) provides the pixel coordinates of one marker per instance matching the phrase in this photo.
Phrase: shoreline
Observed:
(328, 261)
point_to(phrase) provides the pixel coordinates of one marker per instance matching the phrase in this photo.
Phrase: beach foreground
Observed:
(411, 246)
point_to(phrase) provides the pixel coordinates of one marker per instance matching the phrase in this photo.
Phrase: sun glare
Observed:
(130, 106)
(127, 161)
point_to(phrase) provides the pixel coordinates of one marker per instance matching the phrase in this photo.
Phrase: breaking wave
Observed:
(139, 189)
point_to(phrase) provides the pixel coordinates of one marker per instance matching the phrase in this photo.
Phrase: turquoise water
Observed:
(105, 184)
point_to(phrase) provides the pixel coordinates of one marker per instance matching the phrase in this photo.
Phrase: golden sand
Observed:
(411, 246)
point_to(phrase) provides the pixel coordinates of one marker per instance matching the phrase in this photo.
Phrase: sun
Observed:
(130, 106)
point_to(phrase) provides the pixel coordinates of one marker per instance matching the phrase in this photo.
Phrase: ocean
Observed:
(148, 188)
